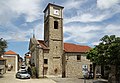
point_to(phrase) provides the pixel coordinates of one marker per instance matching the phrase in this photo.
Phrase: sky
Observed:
(85, 22)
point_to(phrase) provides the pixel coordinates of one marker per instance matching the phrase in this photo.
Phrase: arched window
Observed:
(55, 24)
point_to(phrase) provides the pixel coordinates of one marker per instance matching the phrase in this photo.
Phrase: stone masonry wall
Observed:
(11, 60)
(74, 67)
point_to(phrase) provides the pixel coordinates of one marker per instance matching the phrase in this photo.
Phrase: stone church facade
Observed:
(53, 57)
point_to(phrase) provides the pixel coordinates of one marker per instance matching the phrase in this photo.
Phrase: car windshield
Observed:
(23, 67)
(23, 72)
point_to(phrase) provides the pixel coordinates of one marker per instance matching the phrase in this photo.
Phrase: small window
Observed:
(55, 24)
(78, 57)
(45, 61)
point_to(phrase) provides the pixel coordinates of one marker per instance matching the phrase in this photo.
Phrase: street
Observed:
(9, 77)
(77, 80)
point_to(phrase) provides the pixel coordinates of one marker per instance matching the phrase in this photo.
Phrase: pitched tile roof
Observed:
(10, 53)
(68, 47)
(42, 44)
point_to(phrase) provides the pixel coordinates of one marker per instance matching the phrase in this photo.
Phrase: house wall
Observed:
(27, 61)
(2, 66)
(33, 59)
(46, 66)
(74, 67)
(16, 63)
(13, 60)
(40, 68)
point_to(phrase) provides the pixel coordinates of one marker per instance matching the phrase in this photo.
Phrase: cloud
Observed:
(105, 4)
(95, 43)
(81, 34)
(84, 20)
(39, 31)
(30, 8)
(12, 12)
(73, 4)
(112, 29)
(87, 18)
(91, 15)
(23, 35)
(89, 11)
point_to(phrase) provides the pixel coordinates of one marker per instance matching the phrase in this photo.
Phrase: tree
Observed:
(3, 45)
(111, 45)
(107, 52)
(93, 56)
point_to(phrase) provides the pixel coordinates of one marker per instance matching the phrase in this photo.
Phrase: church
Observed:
(52, 56)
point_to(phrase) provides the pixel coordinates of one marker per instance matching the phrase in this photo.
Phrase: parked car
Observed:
(90, 75)
(22, 70)
(98, 75)
(22, 74)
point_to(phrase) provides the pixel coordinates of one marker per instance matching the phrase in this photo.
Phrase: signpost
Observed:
(85, 72)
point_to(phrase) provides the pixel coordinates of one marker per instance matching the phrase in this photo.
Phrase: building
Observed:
(20, 62)
(27, 59)
(11, 60)
(50, 55)
(75, 59)
(2, 65)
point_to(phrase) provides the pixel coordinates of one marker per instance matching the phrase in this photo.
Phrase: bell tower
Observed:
(53, 37)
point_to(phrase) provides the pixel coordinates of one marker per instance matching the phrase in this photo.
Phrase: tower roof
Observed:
(52, 5)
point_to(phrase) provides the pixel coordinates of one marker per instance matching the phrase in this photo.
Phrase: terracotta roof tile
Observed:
(42, 44)
(68, 47)
(10, 53)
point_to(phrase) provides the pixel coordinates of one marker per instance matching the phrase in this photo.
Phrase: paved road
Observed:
(9, 77)
(71, 80)
(76, 80)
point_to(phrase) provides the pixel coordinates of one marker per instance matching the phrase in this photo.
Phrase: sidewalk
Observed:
(58, 79)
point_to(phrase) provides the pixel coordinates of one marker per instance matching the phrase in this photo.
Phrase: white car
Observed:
(22, 74)
(22, 70)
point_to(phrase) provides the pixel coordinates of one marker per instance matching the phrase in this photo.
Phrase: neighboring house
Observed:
(11, 60)
(75, 59)
(53, 57)
(2, 65)
(20, 62)
(27, 59)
